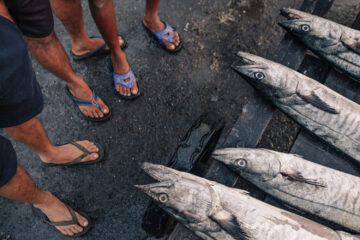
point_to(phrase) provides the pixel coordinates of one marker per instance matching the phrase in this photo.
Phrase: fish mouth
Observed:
(159, 172)
(247, 62)
(291, 13)
(222, 155)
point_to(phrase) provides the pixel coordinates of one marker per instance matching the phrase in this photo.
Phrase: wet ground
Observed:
(177, 90)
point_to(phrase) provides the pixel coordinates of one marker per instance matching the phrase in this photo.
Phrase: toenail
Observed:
(85, 223)
(95, 156)
(106, 111)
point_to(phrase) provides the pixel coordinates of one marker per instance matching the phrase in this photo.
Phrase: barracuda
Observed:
(327, 114)
(310, 187)
(214, 211)
(338, 44)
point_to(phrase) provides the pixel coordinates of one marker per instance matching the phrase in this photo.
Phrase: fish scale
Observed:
(314, 106)
(236, 214)
(338, 200)
(337, 43)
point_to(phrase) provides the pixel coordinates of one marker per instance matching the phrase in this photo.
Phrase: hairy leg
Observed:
(49, 52)
(21, 188)
(104, 16)
(33, 135)
(70, 14)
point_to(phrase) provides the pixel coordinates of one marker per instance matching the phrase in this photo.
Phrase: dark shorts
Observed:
(20, 93)
(33, 17)
(8, 162)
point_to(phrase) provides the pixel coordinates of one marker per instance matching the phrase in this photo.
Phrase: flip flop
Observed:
(98, 51)
(120, 79)
(93, 102)
(162, 35)
(73, 220)
(77, 160)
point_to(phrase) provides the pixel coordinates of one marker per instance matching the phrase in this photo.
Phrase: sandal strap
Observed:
(93, 102)
(73, 220)
(80, 147)
(79, 158)
(120, 79)
(166, 34)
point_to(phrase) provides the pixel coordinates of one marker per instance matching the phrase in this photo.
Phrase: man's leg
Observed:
(104, 16)
(49, 52)
(70, 13)
(152, 21)
(33, 135)
(22, 188)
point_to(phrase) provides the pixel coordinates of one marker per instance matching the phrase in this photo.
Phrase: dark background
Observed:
(177, 90)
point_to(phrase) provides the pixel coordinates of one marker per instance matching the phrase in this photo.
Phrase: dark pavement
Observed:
(177, 90)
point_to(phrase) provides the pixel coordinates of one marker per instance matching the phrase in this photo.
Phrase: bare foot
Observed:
(56, 211)
(156, 25)
(121, 66)
(67, 153)
(90, 45)
(82, 91)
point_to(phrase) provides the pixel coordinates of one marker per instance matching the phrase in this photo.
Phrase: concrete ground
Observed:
(177, 89)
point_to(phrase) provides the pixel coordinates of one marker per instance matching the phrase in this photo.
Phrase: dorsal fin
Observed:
(297, 176)
(314, 97)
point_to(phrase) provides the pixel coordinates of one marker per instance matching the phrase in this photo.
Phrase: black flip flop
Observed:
(93, 102)
(161, 35)
(77, 160)
(119, 79)
(73, 220)
(99, 51)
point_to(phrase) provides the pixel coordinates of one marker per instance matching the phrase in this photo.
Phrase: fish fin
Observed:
(352, 42)
(229, 223)
(192, 217)
(297, 176)
(314, 97)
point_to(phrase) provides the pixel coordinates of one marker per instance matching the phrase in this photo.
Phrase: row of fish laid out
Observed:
(337, 43)
(214, 211)
(322, 111)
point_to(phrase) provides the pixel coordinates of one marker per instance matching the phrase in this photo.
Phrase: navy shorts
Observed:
(20, 93)
(33, 17)
(8, 163)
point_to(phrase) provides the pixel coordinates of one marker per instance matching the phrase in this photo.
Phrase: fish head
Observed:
(259, 164)
(271, 78)
(185, 199)
(316, 31)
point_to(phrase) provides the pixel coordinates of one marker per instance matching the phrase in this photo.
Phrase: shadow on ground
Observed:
(178, 89)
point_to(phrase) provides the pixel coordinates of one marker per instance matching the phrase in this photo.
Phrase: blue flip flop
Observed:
(98, 51)
(120, 79)
(167, 35)
(93, 102)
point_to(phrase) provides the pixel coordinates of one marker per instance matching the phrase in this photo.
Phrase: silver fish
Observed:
(322, 191)
(337, 43)
(214, 211)
(327, 114)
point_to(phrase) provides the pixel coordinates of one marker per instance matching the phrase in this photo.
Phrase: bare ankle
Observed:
(44, 199)
(150, 18)
(49, 154)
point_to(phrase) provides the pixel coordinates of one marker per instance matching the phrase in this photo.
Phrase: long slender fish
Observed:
(214, 211)
(322, 191)
(337, 43)
(327, 114)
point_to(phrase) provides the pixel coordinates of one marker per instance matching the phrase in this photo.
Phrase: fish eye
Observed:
(305, 27)
(241, 162)
(163, 198)
(259, 75)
